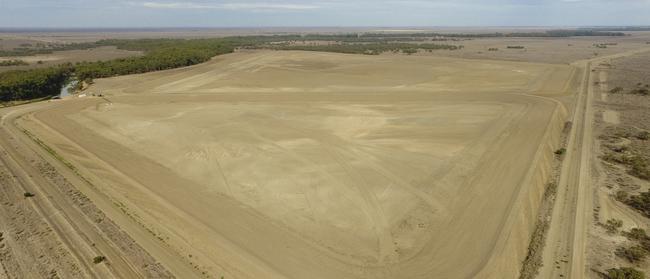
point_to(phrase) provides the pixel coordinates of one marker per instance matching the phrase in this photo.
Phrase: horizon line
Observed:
(300, 27)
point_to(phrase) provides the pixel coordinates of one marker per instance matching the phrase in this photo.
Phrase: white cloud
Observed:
(226, 6)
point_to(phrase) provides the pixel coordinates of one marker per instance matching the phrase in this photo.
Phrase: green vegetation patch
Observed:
(633, 254)
(640, 202)
(15, 62)
(159, 56)
(637, 165)
(624, 273)
(32, 84)
(613, 225)
(98, 259)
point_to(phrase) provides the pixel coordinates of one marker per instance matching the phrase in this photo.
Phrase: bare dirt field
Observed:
(546, 50)
(313, 165)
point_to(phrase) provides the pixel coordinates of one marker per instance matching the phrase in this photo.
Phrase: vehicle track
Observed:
(75, 230)
(65, 205)
(564, 253)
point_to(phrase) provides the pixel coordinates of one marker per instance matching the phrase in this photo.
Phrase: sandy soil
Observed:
(58, 232)
(567, 248)
(631, 117)
(313, 165)
(29, 246)
(544, 50)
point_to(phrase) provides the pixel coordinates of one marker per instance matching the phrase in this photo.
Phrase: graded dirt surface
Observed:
(317, 165)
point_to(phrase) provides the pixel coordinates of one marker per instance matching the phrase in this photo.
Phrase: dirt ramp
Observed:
(520, 225)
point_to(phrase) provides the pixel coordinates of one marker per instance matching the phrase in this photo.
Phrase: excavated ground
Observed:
(315, 165)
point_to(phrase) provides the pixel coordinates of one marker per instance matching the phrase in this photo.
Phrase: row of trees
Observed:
(369, 49)
(160, 54)
(165, 56)
(33, 84)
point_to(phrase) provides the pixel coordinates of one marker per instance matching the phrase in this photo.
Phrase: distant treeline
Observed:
(161, 54)
(619, 28)
(553, 34)
(45, 49)
(150, 44)
(369, 48)
(393, 37)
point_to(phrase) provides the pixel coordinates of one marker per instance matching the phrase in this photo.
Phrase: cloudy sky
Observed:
(257, 13)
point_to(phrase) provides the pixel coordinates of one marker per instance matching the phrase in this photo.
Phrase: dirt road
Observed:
(77, 227)
(564, 254)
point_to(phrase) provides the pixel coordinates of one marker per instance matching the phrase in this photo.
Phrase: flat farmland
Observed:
(317, 165)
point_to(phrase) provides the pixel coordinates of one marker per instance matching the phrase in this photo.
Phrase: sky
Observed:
(308, 13)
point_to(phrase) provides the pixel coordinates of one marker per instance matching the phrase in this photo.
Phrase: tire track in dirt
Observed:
(564, 254)
(371, 205)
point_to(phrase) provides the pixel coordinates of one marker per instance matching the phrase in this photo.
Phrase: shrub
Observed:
(612, 225)
(624, 273)
(640, 236)
(615, 90)
(560, 151)
(645, 135)
(640, 91)
(410, 51)
(632, 254)
(636, 234)
(640, 202)
(621, 196)
(98, 259)
(639, 167)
